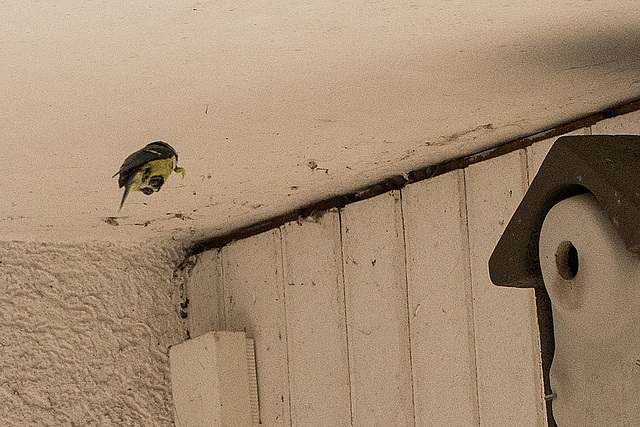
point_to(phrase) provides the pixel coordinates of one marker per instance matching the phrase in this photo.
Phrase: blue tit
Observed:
(147, 169)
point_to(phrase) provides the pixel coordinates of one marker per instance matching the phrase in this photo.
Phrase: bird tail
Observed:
(124, 196)
(126, 190)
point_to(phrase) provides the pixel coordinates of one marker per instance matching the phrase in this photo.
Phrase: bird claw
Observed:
(181, 171)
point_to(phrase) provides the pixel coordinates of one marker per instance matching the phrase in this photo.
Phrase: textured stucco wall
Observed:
(84, 334)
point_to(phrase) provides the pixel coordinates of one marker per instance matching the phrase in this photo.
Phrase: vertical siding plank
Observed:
(204, 290)
(254, 302)
(377, 318)
(440, 309)
(625, 124)
(507, 340)
(314, 295)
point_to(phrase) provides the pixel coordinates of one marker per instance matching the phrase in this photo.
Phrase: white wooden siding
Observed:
(382, 313)
(440, 304)
(254, 302)
(205, 293)
(625, 124)
(316, 326)
(377, 314)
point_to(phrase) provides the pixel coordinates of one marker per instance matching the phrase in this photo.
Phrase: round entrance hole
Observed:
(567, 260)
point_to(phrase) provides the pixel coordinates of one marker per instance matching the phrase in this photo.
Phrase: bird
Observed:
(147, 169)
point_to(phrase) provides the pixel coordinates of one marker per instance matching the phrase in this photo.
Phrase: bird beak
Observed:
(180, 170)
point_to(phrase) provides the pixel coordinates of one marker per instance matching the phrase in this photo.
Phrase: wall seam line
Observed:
(286, 330)
(346, 321)
(465, 223)
(406, 288)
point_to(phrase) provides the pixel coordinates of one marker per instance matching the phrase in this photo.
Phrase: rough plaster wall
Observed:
(84, 334)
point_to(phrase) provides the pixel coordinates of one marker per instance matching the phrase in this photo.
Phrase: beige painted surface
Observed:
(377, 315)
(440, 305)
(206, 300)
(316, 325)
(626, 124)
(254, 302)
(253, 93)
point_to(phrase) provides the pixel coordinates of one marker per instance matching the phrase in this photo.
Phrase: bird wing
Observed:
(154, 151)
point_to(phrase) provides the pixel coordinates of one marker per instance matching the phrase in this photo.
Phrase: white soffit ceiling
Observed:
(274, 104)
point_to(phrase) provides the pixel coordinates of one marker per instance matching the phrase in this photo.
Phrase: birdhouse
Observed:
(576, 238)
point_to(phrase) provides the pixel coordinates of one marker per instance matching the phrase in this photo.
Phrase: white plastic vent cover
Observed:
(213, 378)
